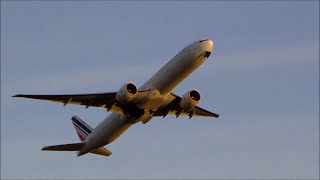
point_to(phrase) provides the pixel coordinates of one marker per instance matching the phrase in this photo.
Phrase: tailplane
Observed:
(83, 131)
(64, 147)
(102, 151)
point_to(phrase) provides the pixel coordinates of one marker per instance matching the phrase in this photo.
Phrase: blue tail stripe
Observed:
(81, 125)
(84, 133)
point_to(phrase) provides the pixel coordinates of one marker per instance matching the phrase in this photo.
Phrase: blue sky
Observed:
(262, 78)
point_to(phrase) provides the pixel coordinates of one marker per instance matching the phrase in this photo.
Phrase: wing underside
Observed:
(108, 100)
(173, 108)
(96, 100)
(102, 100)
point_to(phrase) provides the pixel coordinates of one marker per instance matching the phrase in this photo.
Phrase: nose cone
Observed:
(206, 45)
(210, 44)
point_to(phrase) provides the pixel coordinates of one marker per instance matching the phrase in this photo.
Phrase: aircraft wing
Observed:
(108, 100)
(173, 108)
(103, 100)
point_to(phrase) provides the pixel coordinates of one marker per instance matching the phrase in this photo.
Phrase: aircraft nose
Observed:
(207, 44)
(211, 43)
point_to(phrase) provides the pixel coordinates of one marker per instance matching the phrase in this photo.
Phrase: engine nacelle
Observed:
(126, 93)
(190, 99)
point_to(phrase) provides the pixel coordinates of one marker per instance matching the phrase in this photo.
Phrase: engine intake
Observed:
(126, 93)
(190, 99)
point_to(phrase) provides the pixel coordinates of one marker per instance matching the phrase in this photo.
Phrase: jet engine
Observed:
(190, 99)
(126, 93)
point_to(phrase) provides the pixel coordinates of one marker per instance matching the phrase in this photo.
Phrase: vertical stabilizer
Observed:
(83, 129)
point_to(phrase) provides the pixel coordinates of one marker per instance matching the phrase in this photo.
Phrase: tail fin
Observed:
(83, 129)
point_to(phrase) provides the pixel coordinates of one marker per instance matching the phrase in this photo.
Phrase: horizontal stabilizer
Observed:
(102, 151)
(64, 147)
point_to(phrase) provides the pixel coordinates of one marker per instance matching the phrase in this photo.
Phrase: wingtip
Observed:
(17, 95)
(215, 115)
(45, 148)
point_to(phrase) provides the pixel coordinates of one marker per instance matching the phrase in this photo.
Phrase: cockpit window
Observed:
(203, 40)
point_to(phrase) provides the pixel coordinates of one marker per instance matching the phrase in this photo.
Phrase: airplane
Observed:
(130, 105)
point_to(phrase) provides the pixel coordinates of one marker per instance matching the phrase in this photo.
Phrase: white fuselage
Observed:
(159, 85)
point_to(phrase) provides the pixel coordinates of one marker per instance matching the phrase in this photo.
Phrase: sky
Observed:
(262, 78)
